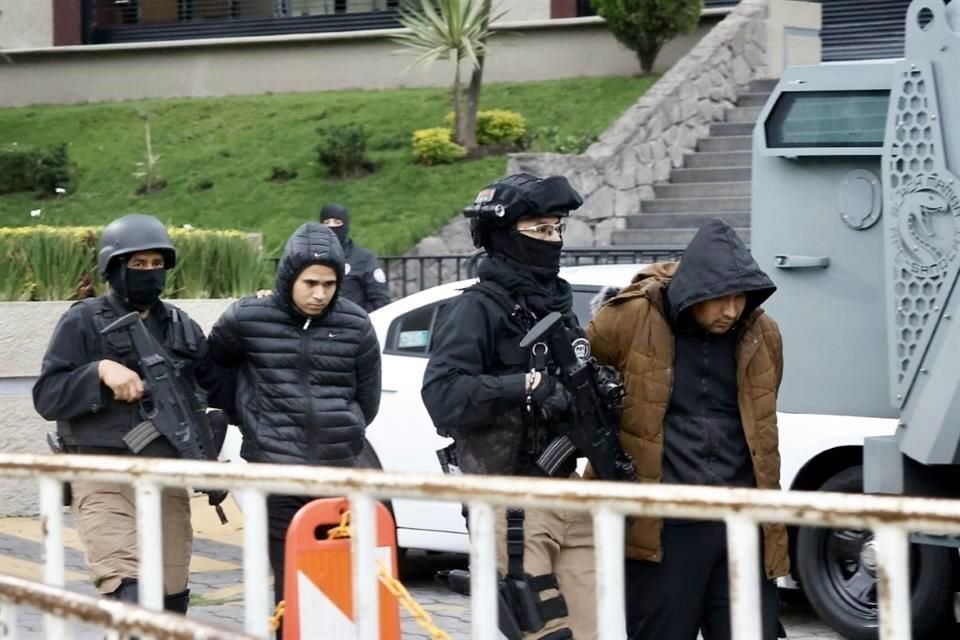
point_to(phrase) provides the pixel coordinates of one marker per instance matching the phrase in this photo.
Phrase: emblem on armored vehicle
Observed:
(927, 233)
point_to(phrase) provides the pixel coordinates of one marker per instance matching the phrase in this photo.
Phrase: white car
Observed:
(813, 448)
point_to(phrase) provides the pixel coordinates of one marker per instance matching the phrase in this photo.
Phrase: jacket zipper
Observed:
(305, 383)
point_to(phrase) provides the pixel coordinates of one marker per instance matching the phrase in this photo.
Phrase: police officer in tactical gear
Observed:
(478, 391)
(364, 282)
(91, 386)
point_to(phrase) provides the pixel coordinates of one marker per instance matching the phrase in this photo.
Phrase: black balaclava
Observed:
(541, 254)
(138, 288)
(338, 212)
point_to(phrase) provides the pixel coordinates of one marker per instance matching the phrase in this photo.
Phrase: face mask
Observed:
(144, 286)
(541, 253)
(340, 232)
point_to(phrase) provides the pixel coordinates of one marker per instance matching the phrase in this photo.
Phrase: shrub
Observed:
(342, 150)
(26, 168)
(50, 263)
(549, 139)
(436, 146)
(644, 26)
(497, 126)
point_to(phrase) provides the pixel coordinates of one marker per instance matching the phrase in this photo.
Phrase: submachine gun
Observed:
(597, 394)
(167, 412)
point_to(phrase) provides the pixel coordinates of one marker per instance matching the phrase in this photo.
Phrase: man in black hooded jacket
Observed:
(308, 363)
(480, 388)
(702, 365)
(364, 282)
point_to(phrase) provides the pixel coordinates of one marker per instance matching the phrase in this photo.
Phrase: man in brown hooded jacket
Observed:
(702, 365)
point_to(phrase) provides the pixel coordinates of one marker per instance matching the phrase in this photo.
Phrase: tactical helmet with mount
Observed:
(501, 203)
(132, 233)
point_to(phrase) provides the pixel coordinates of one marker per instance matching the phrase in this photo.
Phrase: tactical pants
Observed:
(561, 543)
(106, 520)
(689, 590)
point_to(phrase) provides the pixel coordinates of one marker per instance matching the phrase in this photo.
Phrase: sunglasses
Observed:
(546, 228)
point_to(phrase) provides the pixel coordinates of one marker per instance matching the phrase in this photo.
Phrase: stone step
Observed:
(664, 237)
(696, 205)
(731, 129)
(702, 189)
(762, 86)
(726, 143)
(686, 220)
(723, 174)
(743, 114)
(753, 99)
(704, 159)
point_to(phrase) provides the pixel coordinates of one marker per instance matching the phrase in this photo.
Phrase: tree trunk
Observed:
(469, 134)
(647, 57)
(455, 96)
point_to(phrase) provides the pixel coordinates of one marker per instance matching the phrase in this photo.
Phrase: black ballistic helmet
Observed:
(521, 195)
(132, 233)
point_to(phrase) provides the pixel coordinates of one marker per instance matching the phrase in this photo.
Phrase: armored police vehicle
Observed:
(856, 216)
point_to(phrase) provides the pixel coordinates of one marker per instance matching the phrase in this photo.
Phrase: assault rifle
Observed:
(596, 397)
(170, 414)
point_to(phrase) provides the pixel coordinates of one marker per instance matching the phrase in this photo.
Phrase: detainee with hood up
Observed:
(364, 282)
(308, 365)
(702, 365)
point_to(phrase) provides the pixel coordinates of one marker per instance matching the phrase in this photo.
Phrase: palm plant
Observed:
(456, 30)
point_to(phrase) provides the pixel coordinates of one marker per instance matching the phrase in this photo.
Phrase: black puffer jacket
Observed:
(307, 387)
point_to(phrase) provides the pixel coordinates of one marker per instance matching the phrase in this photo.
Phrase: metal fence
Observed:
(409, 274)
(743, 510)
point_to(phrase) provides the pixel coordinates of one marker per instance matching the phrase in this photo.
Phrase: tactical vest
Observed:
(515, 439)
(106, 427)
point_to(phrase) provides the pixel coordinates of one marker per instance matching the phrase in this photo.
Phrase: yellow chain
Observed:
(396, 589)
(277, 616)
(394, 586)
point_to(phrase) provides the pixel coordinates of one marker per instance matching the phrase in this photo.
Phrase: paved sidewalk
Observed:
(216, 580)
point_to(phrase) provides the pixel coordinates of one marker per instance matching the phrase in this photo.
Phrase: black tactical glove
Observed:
(550, 399)
(214, 498)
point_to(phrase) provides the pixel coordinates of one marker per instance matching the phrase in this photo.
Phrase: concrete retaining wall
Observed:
(525, 51)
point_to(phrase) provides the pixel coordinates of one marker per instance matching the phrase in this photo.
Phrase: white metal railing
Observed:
(891, 519)
(120, 617)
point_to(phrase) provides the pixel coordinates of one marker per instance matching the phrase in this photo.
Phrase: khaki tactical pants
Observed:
(106, 519)
(561, 543)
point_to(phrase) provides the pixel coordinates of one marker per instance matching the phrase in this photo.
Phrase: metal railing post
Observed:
(363, 544)
(51, 513)
(893, 582)
(256, 563)
(743, 551)
(8, 620)
(150, 544)
(611, 601)
(483, 572)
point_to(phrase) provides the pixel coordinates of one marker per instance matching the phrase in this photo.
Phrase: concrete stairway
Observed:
(714, 182)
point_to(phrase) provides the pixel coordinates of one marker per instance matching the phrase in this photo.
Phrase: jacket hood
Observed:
(716, 263)
(312, 243)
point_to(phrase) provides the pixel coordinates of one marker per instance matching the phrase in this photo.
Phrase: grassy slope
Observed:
(235, 143)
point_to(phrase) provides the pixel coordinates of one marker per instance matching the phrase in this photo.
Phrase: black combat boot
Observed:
(177, 602)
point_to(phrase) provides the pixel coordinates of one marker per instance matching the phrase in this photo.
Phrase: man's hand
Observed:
(125, 384)
(263, 293)
(550, 398)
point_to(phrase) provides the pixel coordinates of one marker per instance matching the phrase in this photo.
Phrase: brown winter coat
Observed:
(631, 333)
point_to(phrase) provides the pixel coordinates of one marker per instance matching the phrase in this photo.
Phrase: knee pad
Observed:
(177, 602)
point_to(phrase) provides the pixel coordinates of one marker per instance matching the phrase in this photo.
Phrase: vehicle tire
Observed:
(836, 568)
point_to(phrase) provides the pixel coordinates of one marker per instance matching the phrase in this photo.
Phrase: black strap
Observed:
(553, 608)
(563, 633)
(515, 544)
(502, 297)
(544, 582)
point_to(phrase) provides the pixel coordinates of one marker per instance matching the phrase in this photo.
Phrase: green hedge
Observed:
(58, 263)
(27, 168)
